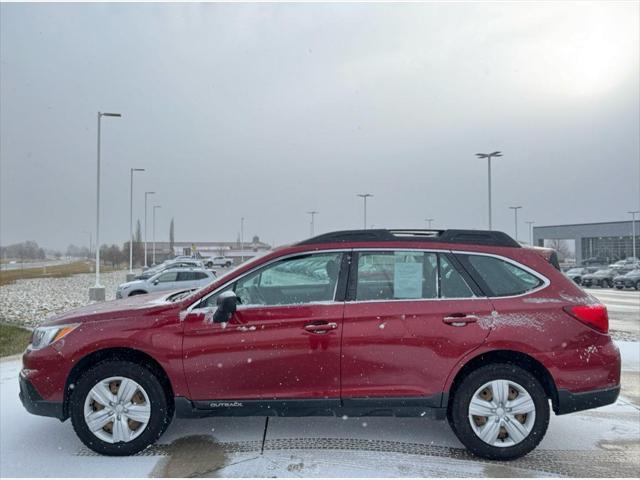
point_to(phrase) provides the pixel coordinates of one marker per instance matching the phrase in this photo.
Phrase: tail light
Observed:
(595, 316)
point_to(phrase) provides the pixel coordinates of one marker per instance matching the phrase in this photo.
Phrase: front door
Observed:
(282, 343)
(411, 317)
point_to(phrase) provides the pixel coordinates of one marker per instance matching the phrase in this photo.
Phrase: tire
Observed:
(532, 425)
(619, 287)
(637, 286)
(578, 281)
(605, 283)
(146, 394)
(209, 264)
(227, 265)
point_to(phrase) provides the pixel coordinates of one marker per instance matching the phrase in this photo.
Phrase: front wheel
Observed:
(118, 408)
(499, 412)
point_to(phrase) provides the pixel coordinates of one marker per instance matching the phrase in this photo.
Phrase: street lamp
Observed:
(241, 239)
(489, 156)
(428, 222)
(146, 194)
(530, 223)
(97, 292)
(154, 232)
(313, 213)
(131, 222)
(364, 196)
(515, 212)
(633, 234)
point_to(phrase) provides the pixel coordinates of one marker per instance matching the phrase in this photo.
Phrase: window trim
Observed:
(353, 276)
(474, 286)
(345, 254)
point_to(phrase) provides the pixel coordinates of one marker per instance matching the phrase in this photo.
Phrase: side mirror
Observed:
(227, 303)
(155, 282)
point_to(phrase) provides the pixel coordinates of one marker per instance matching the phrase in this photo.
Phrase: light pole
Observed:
(154, 232)
(364, 197)
(489, 156)
(515, 212)
(530, 223)
(97, 292)
(241, 239)
(313, 213)
(633, 230)
(146, 194)
(131, 224)
(428, 222)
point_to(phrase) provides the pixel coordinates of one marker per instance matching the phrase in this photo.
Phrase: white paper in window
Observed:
(407, 280)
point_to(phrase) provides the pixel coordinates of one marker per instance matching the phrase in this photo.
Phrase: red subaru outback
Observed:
(467, 325)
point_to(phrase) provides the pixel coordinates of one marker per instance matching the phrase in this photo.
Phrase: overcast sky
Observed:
(267, 111)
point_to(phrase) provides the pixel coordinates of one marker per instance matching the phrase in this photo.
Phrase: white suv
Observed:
(172, 279)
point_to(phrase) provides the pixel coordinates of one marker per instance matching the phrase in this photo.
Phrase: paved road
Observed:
(25, 265)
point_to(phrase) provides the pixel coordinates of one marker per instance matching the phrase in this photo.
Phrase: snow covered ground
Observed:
(602, 442)
(29, 302)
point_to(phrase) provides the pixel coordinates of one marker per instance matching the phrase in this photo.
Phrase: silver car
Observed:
(174, 279)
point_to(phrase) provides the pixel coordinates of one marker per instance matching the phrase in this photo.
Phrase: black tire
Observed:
(578, 281)
(209, 264)
(160, 416)
(619, 287)
(458, 413)
(137, 292)
(227, 265)
(637, 286)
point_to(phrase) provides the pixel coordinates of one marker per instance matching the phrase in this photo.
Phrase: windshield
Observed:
(574, 271)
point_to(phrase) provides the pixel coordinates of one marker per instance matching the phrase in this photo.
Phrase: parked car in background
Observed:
(168, 265)
(173, 279)
(601, 278)
(460, 324)
(628, 280)
(594, 261)
(575, 274)
(218, 262)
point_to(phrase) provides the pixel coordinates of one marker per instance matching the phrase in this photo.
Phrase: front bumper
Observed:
(568, 402)
(33, 402)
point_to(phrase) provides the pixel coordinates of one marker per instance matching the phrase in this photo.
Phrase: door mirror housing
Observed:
(227, 303)
(156, 282)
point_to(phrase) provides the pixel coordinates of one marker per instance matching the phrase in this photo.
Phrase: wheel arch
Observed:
(120, 353)
(527, 362)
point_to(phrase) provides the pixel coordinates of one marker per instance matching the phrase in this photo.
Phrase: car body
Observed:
(600, 278)
(172, 264)
(628, 280)
(168, 279)
(459, 324)
(218, 262)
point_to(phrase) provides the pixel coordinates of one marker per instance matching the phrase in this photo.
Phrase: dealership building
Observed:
(605, 241)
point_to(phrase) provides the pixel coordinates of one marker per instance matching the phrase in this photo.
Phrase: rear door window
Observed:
(501, 278)
(402, 275)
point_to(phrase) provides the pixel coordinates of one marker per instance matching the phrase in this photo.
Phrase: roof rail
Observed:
(469, 237)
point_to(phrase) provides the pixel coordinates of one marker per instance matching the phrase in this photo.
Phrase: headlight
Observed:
(45, 336)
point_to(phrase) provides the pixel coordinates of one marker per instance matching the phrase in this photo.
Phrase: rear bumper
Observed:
(568, 402)
(33, 402)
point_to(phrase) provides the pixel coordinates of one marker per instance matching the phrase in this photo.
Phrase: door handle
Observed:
(320, 327)
(459, 319)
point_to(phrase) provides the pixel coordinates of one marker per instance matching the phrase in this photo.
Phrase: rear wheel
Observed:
(637, 286)
(499, 411)
(119, 408)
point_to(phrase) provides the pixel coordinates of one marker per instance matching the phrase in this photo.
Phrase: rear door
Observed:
(410, 317)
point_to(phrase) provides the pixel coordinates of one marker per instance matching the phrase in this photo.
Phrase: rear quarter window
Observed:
(499, 277)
